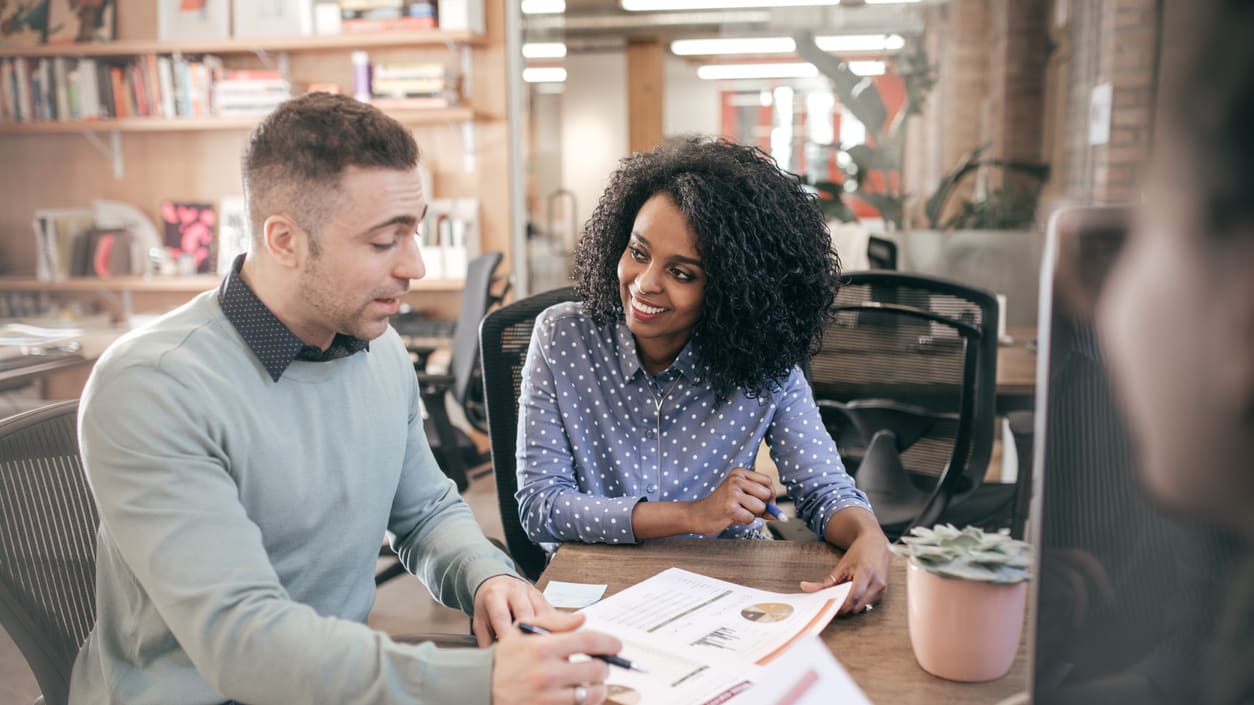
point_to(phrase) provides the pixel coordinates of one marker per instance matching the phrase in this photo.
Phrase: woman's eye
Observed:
(682, 275)
(636, 254)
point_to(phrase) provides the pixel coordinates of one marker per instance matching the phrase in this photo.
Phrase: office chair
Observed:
(905, 381)
(48, 524)
(454, 451)
(504, 338)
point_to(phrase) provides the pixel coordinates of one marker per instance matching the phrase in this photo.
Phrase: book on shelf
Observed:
(447, 236)
(233, 235)
(413, 102)
(56, 230)
(701, 640)
(72, 21)
(358, 16)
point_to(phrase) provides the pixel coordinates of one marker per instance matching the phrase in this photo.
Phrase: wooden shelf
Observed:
(201, 124)
(192, 285)
(432, 37)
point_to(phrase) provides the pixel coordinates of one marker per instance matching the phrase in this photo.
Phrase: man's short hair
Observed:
(294, 159)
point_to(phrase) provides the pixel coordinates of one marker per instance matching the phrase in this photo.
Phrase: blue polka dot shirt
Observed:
(597, 434)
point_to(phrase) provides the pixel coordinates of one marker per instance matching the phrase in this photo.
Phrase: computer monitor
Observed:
(1123, 593)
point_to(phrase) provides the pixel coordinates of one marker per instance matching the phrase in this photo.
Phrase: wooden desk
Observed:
(1016, 372)
(873, 647)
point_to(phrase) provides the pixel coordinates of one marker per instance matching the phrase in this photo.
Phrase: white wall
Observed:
(690, 105)
(594, 126)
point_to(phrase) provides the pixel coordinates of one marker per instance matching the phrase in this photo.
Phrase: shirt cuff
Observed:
(825, 516)
(615, 521)
(457, 675)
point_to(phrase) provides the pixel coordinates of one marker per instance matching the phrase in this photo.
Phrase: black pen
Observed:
(608, 658)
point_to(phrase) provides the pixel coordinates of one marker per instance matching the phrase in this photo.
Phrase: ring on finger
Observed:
(581, 695)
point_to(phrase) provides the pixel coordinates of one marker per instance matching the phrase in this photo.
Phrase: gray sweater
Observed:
(241, 520)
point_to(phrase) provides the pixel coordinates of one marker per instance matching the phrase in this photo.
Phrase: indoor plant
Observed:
(965, 594)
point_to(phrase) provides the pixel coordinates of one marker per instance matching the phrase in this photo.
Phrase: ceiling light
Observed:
(889, 2)
(544, 50)
(800, 69)
(741, 45)
(544, 74)
(842, 43)
(663, 5)
(723, 72)
(860, 42)
(543, 7)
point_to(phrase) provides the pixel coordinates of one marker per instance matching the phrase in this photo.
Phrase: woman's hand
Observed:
(865, 563)
(740, 499)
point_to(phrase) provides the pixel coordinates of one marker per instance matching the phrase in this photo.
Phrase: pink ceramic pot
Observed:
(963, 630)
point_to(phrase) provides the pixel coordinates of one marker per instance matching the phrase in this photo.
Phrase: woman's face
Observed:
(1177, 324)
(661, 280)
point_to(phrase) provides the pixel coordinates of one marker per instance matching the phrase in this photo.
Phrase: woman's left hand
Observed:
(865, 564)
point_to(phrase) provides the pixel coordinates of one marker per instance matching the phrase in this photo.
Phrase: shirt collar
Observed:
(629, 356)
(273, 344)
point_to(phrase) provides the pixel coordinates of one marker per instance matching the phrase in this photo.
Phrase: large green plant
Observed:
(884, 150)
(1010, 206)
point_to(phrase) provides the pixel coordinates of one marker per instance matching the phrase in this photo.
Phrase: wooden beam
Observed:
(646, 83)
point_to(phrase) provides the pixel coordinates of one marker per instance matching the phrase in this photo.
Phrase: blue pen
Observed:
(608, 658)
(775, 511)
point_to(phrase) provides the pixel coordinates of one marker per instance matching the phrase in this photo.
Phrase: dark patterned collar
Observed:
(272, 342)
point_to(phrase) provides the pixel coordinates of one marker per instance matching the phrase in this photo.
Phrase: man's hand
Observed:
(502, 600)
(865, 564)
(740, 499)
(536, 670)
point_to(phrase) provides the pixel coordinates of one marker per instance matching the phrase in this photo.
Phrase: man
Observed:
(248, 450)
(1178, 314)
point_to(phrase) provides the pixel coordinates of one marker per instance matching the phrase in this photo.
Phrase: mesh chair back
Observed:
(476, 299)
(899, 337)
(504, 339)
(48, 523)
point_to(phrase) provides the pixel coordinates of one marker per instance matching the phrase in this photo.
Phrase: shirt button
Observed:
(652, 488)
(650, 434)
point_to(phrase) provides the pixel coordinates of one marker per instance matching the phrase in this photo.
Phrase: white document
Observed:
(701, 639)
(806, 674)
(572, 595)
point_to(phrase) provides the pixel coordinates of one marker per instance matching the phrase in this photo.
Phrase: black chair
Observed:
(504, 338)
(454, 450)
(881, 252)
(906, 383)
(48, 523)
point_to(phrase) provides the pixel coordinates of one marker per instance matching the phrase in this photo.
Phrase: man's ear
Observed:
(284, 240)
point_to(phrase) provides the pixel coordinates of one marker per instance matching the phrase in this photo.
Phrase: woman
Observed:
(705, 275)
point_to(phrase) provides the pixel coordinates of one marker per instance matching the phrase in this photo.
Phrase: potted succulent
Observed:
(965, 595)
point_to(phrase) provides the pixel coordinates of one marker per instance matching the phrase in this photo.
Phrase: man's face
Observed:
(1170, 321)
(367, 253)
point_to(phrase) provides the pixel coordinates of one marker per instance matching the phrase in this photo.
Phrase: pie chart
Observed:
(767, 612)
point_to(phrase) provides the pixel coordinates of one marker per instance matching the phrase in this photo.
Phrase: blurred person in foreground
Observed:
(1177, 318)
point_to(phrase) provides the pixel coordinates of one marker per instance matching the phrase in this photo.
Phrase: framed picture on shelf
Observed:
(193, 20)
(81, 21)
(233, 238)
(273, 18)
(23, 23)
(188, 229)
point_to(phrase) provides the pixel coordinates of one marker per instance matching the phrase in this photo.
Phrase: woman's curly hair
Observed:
(771, 272)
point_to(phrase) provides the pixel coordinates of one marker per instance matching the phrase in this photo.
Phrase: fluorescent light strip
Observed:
(664, 5)
(800, 69)
(544, 74)
(544, 50)
(890, 2)
(543, 7)
(785, 45)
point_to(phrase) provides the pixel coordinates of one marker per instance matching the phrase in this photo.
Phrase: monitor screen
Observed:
(1125, 594)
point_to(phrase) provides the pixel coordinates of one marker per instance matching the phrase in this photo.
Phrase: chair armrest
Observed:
(434, 384)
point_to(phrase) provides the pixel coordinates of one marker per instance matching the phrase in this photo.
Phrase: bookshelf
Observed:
(196, 159)
(408, 38)
(191, 124)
